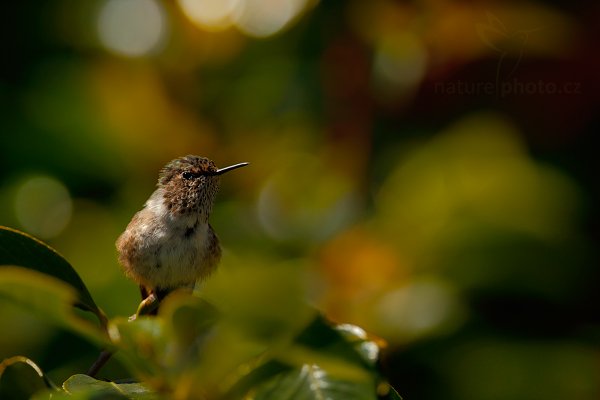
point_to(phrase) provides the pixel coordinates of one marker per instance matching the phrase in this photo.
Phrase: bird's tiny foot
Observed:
(147, 306)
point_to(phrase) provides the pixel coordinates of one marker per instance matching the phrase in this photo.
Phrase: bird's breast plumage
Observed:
(161, 250)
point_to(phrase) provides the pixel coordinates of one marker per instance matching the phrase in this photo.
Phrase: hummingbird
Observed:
(508, 44)
(170, 244)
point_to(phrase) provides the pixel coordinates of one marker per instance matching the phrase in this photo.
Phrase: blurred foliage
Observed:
(425, 170)
(194, 350)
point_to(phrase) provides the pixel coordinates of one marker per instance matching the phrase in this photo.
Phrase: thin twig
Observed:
(99, 363)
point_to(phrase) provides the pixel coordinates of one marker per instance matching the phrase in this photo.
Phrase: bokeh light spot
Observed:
(424, 307)
(132, 28)
(212, 15)
(282, 204)
(262, 18)
(400, 63)
(43, 206)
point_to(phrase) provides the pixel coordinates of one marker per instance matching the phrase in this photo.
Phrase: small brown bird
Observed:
(169, 244)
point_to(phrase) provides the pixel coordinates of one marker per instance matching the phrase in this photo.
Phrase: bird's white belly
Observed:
(181, 257)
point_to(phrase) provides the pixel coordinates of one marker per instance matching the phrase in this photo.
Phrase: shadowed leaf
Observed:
(18, 248)
(393, 395)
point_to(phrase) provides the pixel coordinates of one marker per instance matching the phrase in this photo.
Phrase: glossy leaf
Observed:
(82, 384)
(326, 339)
(311, 382)
(357, 337)
(18, 248)
(340, 353)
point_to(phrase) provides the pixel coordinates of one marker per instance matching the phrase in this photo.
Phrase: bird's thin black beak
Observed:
(221, 171)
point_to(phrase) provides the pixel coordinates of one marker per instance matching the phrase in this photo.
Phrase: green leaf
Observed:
(188, 319)
(18, 248)
(357, 337)
(342, 351)
(266, 301)
(256, 377)
(207, 352)
(320, 336)
(62, 395)
(82, 384)
(392, 394)
(310, 382)
(142, 345)
(47, 298)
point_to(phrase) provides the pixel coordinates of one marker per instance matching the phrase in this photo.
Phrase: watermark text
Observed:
(512, 87)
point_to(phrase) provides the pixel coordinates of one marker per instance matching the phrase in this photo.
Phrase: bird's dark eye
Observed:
(187, 175)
